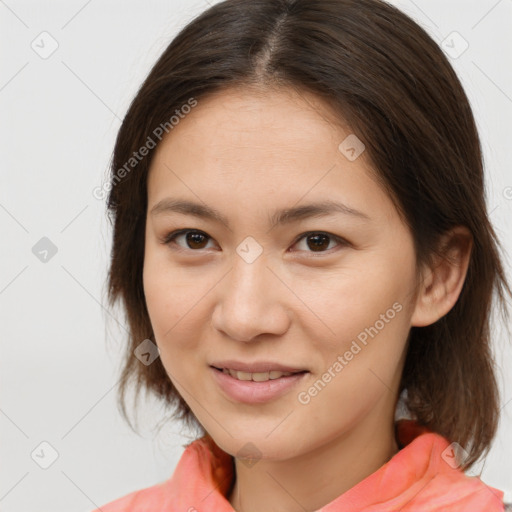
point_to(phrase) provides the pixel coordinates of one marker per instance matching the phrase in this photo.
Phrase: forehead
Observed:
(280, 145)
(265, 120)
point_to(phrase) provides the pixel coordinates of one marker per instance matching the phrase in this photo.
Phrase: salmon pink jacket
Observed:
(422, 476)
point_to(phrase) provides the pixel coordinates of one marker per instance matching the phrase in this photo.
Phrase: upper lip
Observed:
(256, 367)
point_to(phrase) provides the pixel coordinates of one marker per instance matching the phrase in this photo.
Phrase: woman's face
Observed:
(329, 293)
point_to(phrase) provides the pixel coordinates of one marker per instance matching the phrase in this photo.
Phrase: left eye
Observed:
(194, 239)
(317, 241)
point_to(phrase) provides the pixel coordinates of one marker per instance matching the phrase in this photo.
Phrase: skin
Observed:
(246, 154)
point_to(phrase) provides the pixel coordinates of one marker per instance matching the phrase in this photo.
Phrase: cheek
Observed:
(368, 309)
(358, 295)
(363, 365)
(176, 307)
(172, 328)
(158, 296)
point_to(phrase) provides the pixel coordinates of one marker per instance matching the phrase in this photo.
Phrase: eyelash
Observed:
(170, 237)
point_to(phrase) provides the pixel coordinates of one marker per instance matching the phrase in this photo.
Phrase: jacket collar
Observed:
(420, 476)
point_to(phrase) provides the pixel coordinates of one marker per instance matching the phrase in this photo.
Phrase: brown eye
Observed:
(319, 242)
(194, 240)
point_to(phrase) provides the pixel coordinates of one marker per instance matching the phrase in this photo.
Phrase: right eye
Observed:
(193, 239)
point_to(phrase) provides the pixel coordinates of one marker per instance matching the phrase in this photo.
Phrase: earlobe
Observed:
(442, 282)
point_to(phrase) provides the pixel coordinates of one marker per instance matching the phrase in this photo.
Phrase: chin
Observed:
(256, 444)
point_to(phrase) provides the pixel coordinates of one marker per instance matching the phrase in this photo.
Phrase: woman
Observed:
(300, 238)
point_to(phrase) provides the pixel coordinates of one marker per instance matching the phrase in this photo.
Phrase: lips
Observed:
(256, 367)
(254, 391)
(257, 376)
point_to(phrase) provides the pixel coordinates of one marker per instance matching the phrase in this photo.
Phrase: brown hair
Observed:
(392, 84)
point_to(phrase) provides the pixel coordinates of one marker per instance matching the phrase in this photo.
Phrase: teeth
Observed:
(259, 377)
(241, 375)
(274, 374)
(256, 377)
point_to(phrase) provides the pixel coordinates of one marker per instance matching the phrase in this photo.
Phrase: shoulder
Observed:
(456, 491)
(142, 500)
(189, 479)
(431, 465)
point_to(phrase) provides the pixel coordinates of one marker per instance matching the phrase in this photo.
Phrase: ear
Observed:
(442, 282)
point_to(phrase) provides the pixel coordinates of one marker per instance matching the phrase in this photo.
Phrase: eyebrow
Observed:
(278, 217)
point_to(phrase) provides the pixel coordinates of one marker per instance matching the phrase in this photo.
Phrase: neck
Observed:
(313, 479)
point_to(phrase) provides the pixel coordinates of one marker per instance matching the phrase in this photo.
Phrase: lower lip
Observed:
(251, 392)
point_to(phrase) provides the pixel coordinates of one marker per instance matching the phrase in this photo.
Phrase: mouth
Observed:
(256, 387)
(257, 376)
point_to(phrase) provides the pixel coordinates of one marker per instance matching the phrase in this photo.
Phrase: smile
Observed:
(257, 376)
(256, 387)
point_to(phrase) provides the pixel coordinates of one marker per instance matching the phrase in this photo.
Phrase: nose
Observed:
(251, 301)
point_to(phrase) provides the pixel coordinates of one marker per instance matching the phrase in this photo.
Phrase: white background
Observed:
(59, 119)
